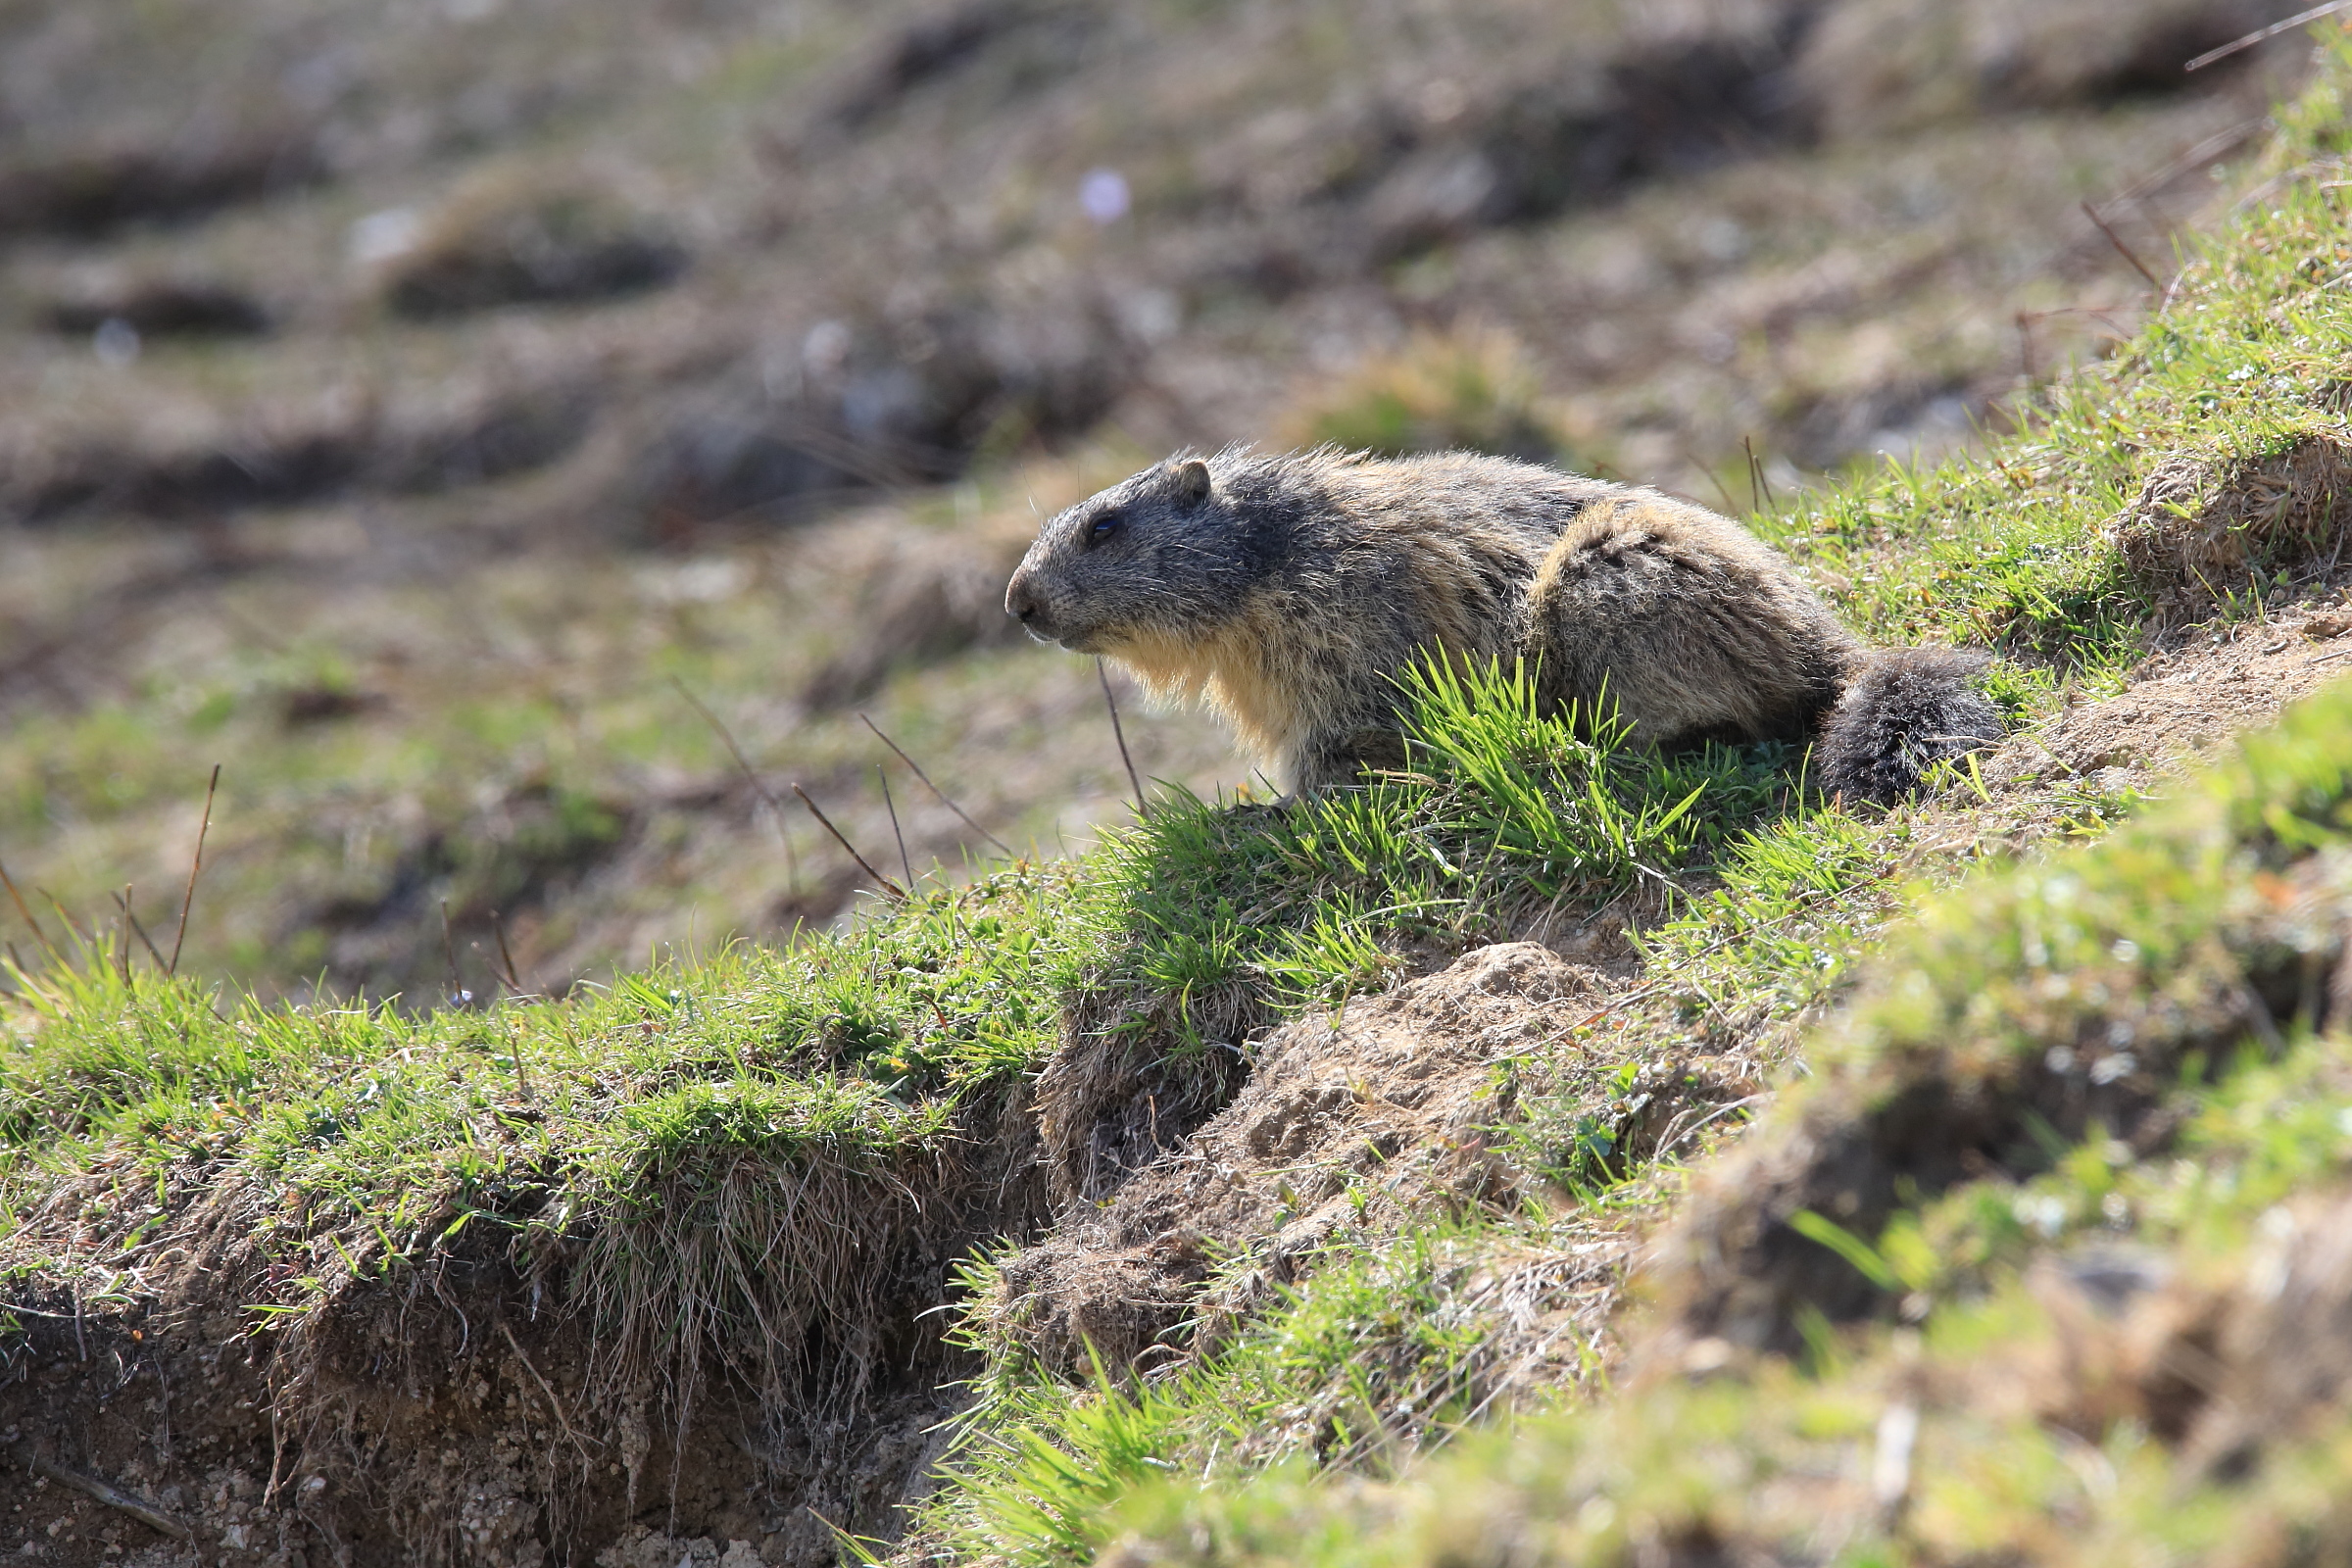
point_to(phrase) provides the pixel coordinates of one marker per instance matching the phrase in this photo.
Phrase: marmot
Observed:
(1291, 591)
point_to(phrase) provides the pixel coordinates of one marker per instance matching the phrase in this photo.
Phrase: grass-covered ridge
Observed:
(2108, 1322)
(601, 1139)
(2028, 548)
(609, 1139)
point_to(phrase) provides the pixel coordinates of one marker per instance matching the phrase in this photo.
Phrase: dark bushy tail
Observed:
(1907, 710)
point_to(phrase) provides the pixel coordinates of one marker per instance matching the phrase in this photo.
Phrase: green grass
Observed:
(2133, 954)
(637, 1140)
(1500, 812)
(1384, 1351)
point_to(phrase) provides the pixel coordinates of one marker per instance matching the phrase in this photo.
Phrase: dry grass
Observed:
(2202, 536)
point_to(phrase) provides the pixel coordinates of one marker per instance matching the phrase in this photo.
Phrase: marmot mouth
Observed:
(1076, 642)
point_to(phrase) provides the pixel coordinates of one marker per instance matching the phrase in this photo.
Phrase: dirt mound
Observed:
(1934, 1078)
(159, 307)
(87, 191)
(883, 392)
(1872, 65)
(283, 452)
(2181, 704)
(1137, 1073)
(520, 237)
(1666, 98)
(1348, 1122)
(2203, 534)
(945, 39)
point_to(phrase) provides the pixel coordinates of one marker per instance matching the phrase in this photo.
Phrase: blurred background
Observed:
(419, 407)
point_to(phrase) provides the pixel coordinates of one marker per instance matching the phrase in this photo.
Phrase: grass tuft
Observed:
(1501, 812)
(1474, 390)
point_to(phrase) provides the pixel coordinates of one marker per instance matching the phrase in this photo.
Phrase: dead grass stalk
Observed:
(195, 865)
(1002, 847)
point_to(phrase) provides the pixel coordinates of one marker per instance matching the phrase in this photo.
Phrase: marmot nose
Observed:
(1020, 601)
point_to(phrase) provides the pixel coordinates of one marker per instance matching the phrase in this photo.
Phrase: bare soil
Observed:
(443, 1424)
(1348, 1124)
(2185, 702)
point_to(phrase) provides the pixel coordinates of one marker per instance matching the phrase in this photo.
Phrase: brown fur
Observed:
(1289, 593)
(1691, 626)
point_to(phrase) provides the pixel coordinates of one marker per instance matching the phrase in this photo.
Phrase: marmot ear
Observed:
(1190, 478)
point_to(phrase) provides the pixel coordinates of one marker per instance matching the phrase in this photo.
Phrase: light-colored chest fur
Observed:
(1246, 671)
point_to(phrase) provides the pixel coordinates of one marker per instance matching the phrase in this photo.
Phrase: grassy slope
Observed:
(2012, 550)
(599, 1133)
(521, 746)
(2027, 1415)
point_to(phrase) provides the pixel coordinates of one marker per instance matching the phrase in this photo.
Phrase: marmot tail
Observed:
(1905, 711)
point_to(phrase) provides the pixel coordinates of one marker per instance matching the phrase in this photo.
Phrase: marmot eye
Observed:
(1102, 529)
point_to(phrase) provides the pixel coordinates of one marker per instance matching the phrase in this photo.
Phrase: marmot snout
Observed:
(1290, 592)
(1141, 553)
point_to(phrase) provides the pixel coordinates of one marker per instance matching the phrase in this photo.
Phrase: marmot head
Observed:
(1165, 555)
